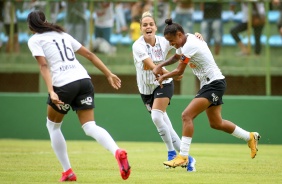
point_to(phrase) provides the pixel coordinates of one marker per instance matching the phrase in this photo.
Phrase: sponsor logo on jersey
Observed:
(87, 101)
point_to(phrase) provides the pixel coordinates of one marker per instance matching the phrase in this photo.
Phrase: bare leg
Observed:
(216, 121)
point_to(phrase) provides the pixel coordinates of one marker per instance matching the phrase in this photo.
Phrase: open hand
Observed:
(114, 81)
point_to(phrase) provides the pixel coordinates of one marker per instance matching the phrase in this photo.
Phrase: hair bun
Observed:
(168, 21)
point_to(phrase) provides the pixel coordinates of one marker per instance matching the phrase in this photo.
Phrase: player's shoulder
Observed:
(139, 42)
(33, 38)
(192, 36)
(194, 40)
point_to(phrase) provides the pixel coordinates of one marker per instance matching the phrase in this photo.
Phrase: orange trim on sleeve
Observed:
(184, 59)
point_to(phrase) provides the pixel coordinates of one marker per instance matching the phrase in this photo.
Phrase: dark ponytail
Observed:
(37, 22)
(172, 28)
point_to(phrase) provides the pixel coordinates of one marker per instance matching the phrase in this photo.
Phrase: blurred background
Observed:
(252, 69)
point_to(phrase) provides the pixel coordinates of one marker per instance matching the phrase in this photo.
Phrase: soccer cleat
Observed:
(177, 161)
(191, 167)
(123, 164)
(68, 176)
(253, 143)
(171, 155)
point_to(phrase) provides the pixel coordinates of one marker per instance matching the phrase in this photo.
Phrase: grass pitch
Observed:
(30, 161)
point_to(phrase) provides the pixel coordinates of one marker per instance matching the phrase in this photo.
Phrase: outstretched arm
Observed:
(114, 81)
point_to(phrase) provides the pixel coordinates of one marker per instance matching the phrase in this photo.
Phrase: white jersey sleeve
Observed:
(35, 48)
(201, 61)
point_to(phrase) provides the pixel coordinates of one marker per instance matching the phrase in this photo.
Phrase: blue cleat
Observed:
(171, 155)
(191, 167)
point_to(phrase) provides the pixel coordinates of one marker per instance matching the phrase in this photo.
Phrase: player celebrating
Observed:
(196, 54)
(148, 51)
(69, 86)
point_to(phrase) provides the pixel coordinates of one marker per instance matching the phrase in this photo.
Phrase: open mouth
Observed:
(149, 32)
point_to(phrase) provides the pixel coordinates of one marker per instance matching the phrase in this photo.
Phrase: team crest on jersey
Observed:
(158, 53)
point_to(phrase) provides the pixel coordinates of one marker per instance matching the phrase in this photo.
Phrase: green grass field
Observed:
(30, 161)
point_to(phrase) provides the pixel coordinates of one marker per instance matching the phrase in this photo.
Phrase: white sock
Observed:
(185, 145)
(58, 143)
(158, 119)
(174, 137)
(241, 133)
(100, 135)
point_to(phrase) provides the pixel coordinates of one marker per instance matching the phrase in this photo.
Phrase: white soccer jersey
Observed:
(58, 49)
(146, 80)
(201, 60)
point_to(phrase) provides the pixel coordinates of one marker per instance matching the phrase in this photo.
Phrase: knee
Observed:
(186, 118)
(88, 127)
(157, 117)
(216, 126)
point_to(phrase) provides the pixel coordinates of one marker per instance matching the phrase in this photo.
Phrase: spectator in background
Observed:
(36, 5)
(279, 23)
(140, 7)
(1, 19)
(137, 9)
(104, 20)
(211, 26)
(10, 20)
(121, 25)
(135, 31)
(163, 13)
(184, 14)
(55, 10)
(76, 22)
(258, 7)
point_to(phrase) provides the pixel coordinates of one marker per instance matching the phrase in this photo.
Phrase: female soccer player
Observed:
(148, 51)
(196, 54)
(69, 86)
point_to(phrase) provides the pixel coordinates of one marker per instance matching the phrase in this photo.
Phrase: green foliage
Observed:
(28, 161)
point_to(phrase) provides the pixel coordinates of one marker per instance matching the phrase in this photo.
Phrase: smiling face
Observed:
(175, 40)
(148, 28)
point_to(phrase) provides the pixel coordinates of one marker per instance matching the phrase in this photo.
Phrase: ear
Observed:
(179, 34)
